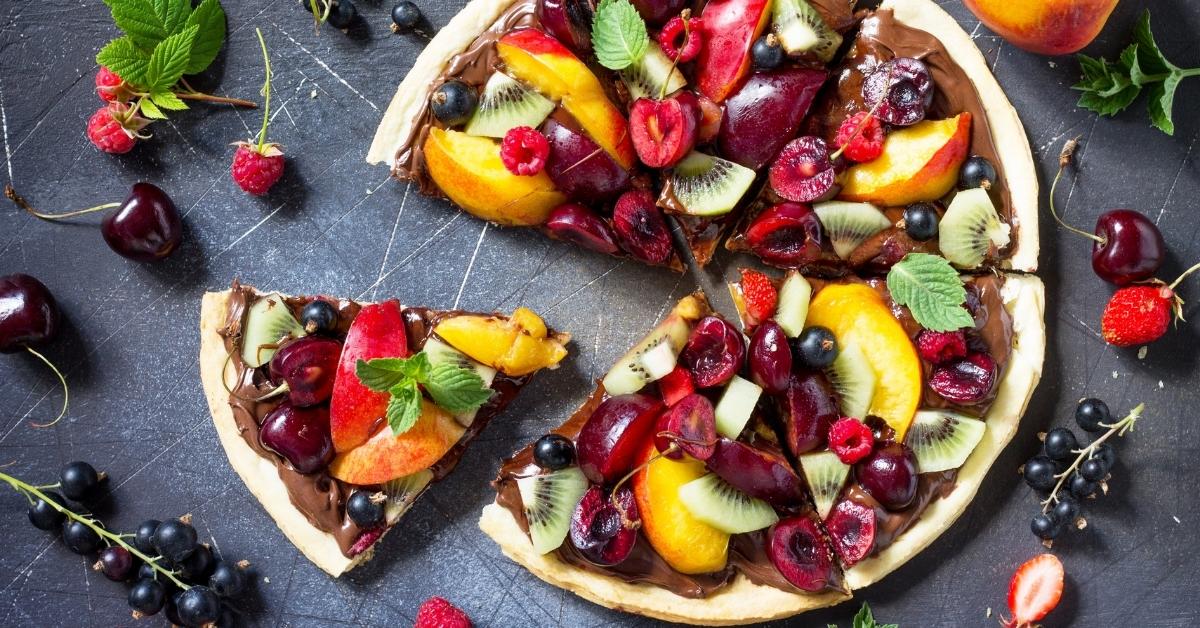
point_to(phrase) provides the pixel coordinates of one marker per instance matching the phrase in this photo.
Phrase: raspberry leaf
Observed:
(169, 60)
(124, 58)
(619, 35)
(139, 21)
(173, 14)
(932, 290)
(209, 18)
(404, 408)
(167, 99)
(457, 389)
(151, 110)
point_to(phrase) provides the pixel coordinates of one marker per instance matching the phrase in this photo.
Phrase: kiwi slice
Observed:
(549, 501)
(507, 104)
(942, 440)
(268, 323)
(800, 28)
(735, 407)
(709, 186)
(854, 380)
(648, 360)
(654, 76)
(439, 352)
(403, 492)
(713, 501)
(970, 227)
(794, 296)
(825, 475)
(850, 224)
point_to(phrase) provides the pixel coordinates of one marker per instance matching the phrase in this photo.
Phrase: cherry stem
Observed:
(62, 380)
(625, 520)
(20, 201)
(266, 92)
(1064, 160)
(1119, 428)
(870, 114)
(1183, 276)
(30, 491)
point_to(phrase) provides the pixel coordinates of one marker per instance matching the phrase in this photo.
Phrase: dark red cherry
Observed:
(906, 88)
(615, 434)
(851, 527)
(641, 230)
(600, 531)
(809, 409)
(788, 234)
(580, 168)
(803, 171)
(757, 472)
(300, 435)
(714, 352)
(965, 381)
(798, 550)
(146, 228)
(568, 21)
(575, 223)
(691, 425)
(307, 365)
(28, 313)
(656, 12)
(770, 358)
(889, 474)
(1131, 247)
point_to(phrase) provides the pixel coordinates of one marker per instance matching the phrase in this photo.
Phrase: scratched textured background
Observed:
(336, 225)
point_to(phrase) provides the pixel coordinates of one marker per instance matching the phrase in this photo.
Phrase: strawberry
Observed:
(760, 295)
(851, 440)
(1139, 314)
(861, 137)
(676, 385)
(437, 612)
(524, 151)
(1034, 590)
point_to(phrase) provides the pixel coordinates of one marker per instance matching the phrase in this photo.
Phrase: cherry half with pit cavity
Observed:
(307, 366)
(787, 234)
(689, 426)
(603, 528)
(714, 352)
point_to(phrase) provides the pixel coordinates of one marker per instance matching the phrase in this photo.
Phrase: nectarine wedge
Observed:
(919, 163)
(687, 544)
(354, 409)
(386, 456)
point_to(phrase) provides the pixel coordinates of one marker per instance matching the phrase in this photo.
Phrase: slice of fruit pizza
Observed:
(338, 414)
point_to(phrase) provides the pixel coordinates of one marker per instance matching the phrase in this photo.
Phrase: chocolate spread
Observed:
(320, 497)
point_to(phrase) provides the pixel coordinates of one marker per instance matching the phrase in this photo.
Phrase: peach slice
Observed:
(541, 61)
(730, 28)
(687, 544)
(469, 171)
(857, 315)
(354, 409)
(386, 456)
(919, 163)
(515, 346)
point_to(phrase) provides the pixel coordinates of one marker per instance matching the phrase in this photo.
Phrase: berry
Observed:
(437, 612)
(146, 228)
(175, 540)
(640, 228)
(147, 596)
(43, 516)
(681, 39)
(714, 352)
(79, 481)
(1092, 414)
(319, 316)
(965, 381)
(307, 365)
(524, 151)
(1061, 443)
(1045, 526)
(1128, 247)
(889, 474)
(1067, 509)
(767, 53)
(770, 358)
(851, 440)
(453, 103)
(976, 172)
(1138, 314)
(1039, 473)
(602, 532)
(1092, 470)
(143, 537)
(198, 566)
(116, 563)
(1081, 487)
(80, 538)
(341, 13)
(30, 314)
(938, 347)
(107, 129)
(109, 86)
(405, 17)
(1106, 454)
(227, 580)
(921, 221)
(255, 170)
(760, 295)
(553, 452)
(198, 606)
(575, 223)
(861, 136)
(816, 347)
(787, 234)
(900, 90)
(1035, 590)
(803, 171)
(363, 510)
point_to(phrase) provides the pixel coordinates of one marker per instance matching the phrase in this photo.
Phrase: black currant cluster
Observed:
(171, 571)
(1068, 473)
(339, 14)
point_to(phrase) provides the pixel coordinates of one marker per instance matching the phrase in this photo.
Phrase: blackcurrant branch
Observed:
(1119, 428)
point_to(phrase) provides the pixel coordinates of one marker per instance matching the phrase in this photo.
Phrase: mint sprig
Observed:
(452, 388)
(1109, 87)
(865, 619)
(932, 290)
(619, 35)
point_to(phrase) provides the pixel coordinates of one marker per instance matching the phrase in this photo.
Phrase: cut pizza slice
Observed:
(338, 414)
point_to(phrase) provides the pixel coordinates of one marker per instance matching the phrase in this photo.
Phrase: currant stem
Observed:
(266, 91)
(1184, 276)
(111, 537)
(62, 380)
(1064, 159)
(20, 201)
(1119, 428)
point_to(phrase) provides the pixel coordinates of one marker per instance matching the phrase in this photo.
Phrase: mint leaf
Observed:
(167, 99)
(209, 17)
(1162, 97)
(619, 35)
(865, 619)
(1150, 58)
(122, 56)
(457, 389)
(932, 290)
(169, 60)
(404, 408)
(383, 374)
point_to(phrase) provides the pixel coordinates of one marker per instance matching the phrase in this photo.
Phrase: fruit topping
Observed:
(965, 381)
(861, 137)
(664, 131)
(714, 352)
(709, 186)
(524, 151)
(406, 17)
(851, 528)
(568, 21)
(921, 221)
(640, 228)
(549, 500)
(653, 76)
(1093, 414)
(659, 11)
(765, 112)
(438, 352)
(516, 346)
(365, 509)
(507, 104)
(848, 225)
(808, 410)
(453, 103)
(319, 317)
(575, 223)
(801, 29)
(939, 347)
(759, 295)
(803, 171)
(825, 475)
(730, 28)
(1034, 590)
(715, 502)
(688, 427)
(942, 440)
(553, 452)
(851, 440)
(269, 323)
(770, 358)
(767, 53)
(676, 385)
(736, 405)
(889, 474)
(437, 612)
(681, 38)
(918, 163)
(1131, 247)
(798, 550)
(387, 456)
(977, 172)
(307, 366)
(686, 543)
(299, 435)
(630, 373)
(355, 410)
(900, 90)
(579, 168)
(603, 532)
(788, 234)
(402, 493)
(816, 347)
(712, 116)
(794, 296)
(971, 228)
(615, 434)
(757, 472)
(854, 379)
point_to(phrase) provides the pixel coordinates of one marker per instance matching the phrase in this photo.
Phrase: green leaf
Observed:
(619, 35)
(139, 21)
(173, 14)
(167, 99)
(1162, 98)
(457, 389)
(383, 374)
(932, 290)
(1149, 56)
(169, 60)
(865, 619)
(404, 408)
(122, 56)
(209, 17)
(150, 110)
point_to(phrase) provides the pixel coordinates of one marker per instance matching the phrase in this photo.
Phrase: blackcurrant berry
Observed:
(341, 13)
(80, 538)
(1090, 413)
(147, 596)
(146, 571)
(319, 316)
(116, 563)
(921, 221)
(363, 511)
(553, 452)
(175, 540)
(198, 606)
(977, 172)
(227, 580)
(816, 347)
(767, 53)
(1092, 470)
(1106, 454)
(198, 566)
(1061, 444)
(1067, 509)
(43, 516)
(79, 481)
(1039, 473)
(405, 16)
(143, 537)
(1081, 487)
(171, 608)
(1045, 526)
(453, 103)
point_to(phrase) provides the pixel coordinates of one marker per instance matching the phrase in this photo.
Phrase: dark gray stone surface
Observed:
(336, 225)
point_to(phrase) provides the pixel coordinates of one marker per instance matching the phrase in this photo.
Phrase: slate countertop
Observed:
(336, 225)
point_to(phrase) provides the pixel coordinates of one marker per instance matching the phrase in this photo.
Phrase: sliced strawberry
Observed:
(760, 295)
(1035, 590)
(676, 385)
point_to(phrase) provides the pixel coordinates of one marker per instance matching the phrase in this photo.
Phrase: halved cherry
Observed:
(851, 527)
(690, 426)
(787, 234)
(603, 533)
(808, 410)
(641, 230)
(663, 131)
(613, 436)
(965, 381)
(798, 550)
(575, 223)
(714, 352)
(803, 171)
(757, 472)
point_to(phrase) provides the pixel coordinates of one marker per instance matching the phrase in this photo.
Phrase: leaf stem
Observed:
(266, 91)
(62, 380)
(1119, 428)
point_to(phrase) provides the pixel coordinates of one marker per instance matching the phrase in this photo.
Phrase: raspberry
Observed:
(851, 440)
(524, 151)
(109, 86)
(862, 136)
(1138, 315)
(107, 132)
(760, 295)
(255, 171)
(681, 38)
(437, 612)
(937, 347)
